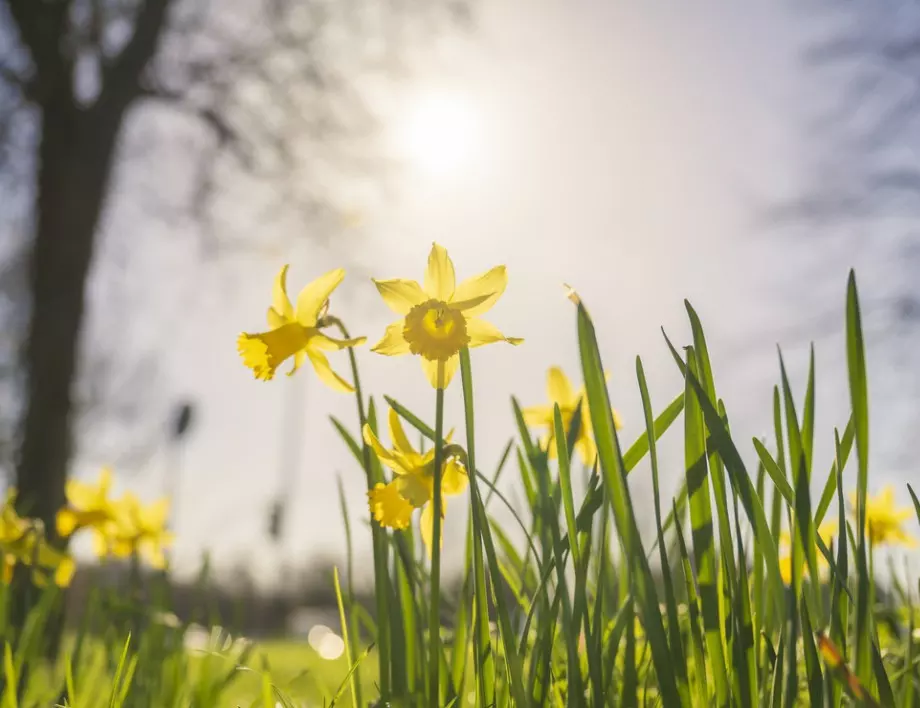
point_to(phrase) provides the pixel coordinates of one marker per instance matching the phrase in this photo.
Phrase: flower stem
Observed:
(434, 624)
(381, 581)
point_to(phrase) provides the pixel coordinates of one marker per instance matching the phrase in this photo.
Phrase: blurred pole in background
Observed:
(181, 423)
(291, 450)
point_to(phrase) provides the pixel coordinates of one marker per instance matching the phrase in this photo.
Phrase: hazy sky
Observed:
(625, 148)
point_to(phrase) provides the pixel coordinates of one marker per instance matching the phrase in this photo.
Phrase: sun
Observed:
(439, 132)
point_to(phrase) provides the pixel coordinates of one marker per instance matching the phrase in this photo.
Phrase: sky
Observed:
(628, 149)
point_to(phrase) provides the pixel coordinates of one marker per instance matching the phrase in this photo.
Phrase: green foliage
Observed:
(567, 604)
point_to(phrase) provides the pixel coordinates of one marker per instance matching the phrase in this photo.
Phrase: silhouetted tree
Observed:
(273, 81)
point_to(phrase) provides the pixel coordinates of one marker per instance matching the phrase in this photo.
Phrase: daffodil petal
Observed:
(586, 449)
(439, 277)
(274, 319)
(298, 360)
(481, 332)
(312, 298)
(398, 434)
(785, 569)
(454, 479)
(155, 514)
(80, 495)
(384, 455)
(401, 295)
(827, 531)
(326, 374)
(105, 481)
(154, 554)
(280, 302)
(559, 388)
(101, 545)
(66, 522)
(440, 378)
(538, 415)
(482, 291)
(886, 497)
(426, 525)
(64, 572)
(329, 344)
(393, 342)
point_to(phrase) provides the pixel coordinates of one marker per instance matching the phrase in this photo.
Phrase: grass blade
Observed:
(613, 468)
(703, 534)
(676, 645)
(859, 400)
(698, 652)
(352, 678)
(741, 483)
(575, 691)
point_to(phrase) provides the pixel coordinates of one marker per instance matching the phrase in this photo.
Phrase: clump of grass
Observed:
(752, 592)
(711, 614)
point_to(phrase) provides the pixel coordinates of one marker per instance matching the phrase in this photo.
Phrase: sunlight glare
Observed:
(439, 133)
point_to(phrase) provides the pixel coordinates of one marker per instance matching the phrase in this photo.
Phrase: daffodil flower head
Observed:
(884, 522)
(89, 506)
(826, 531)
(141, 530)
(295, 332)
(22, 541)
(412, 486)
(560, 392)
(440, 317)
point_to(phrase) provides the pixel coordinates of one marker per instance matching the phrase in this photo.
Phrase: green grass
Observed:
(567, 605)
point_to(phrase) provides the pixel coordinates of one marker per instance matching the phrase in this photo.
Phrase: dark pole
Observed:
(180, 426)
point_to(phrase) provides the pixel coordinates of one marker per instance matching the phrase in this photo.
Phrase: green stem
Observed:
(134, 592)
(381, 581)
(434, 624)
(484, 662)
(513, 662)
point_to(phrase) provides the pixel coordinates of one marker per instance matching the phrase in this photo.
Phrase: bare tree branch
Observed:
(41, 26)
(121, 78)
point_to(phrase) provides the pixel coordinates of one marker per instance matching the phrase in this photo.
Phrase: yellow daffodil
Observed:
(413, 485)
(89, 506)
(441, 317)
(294, 332)
(826, 531)
(559, 391)
(22, 542)
(884, 522)
(141, 530)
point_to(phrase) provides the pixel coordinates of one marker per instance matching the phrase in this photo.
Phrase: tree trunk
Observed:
(75, 162)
